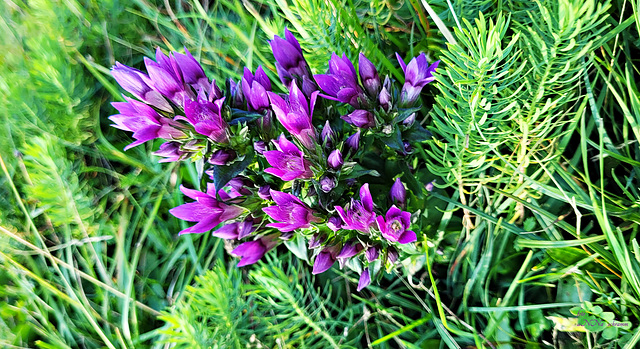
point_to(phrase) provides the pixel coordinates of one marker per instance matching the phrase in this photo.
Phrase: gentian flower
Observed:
(352, 143)
(368, 76)
(372, 253)
(288, 161)
(327, 135)
(327, 183)
(206, 210)
(252, 251)
(360, 118)
(255, 87)
(264, 192)
(398, 193)
(290, 63)
(131, 80)
(341, 83)
(145, 123)
(350, 249)
(236, 230)
(295, 114)
(394, 226)
(392, 255)
(171, 152)
(334, 160)
(290, 211)
(365, 279)
(206, 117)
(334, 223)
(417, 74)
(222, 157)
(316, 241)
(165, 77)
(359, 215)
(325, 259)
(192, 71)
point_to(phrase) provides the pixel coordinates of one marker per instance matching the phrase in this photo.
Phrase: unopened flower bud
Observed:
(409, 120)
(392, 255)
(368, 75)
(398, 193)
(335, 160)
(371, 253)
(222, 157)
(327, 183)
(384, 98)
(327, 134)
(353, 142)
(264, 192)
(429, 186)
(259, 147)
(334, 223)
(360, 118)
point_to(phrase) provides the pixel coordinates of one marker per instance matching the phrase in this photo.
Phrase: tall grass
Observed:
(535, 157)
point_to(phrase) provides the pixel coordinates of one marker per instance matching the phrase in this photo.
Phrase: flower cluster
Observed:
(308, 175)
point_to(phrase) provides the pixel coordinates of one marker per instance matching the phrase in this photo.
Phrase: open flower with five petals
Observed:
(394, 226)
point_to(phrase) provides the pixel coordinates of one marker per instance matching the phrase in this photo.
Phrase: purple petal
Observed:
(323, 262)
(365, 279)
(365, 197)
(407, 237)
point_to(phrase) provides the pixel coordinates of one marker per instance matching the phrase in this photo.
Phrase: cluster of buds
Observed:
(302, 176)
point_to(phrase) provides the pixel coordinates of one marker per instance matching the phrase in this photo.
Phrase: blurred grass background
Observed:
(90, 258)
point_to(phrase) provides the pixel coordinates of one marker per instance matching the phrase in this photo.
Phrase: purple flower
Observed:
(206, 210)
(398, 193)
(327, 135)
(295, 114)
(192, 71)
(222, 157)
(171, 152)
(353, 143)
(255, 89)
(288, 161)
(334, 223)
(264, 192)
(350, 249)
(290, 211)
(385, 99)
(392, 255)
(165, 77)
(325, 259)
(365, 279)
(145, 123)
(316, 241)
(394, 226)
(290, 62)
(131, 80)
(327, 183)
(360, 118)
(368, 76)
(206, 118)
(252, 251)
(335, 160)
(341, 83)
(237, 97)
(359, 216)
(429, 186)
(417, 74)
(372, 253)
(236, 230)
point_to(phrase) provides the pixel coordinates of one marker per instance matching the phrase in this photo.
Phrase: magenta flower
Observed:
(290, 63)
(255, 87)
(359, 215)
(368, 76)
(206, 210)
(341, 83)
(350, 249)
(192, 71)
(394, 226)
(295, 114)
(417, 74)
(365, 280)
(206, 117)
(132, 81)
(325, 259)
(352, 143)
(372, 253)
(398, 193)
(252, 251)
(360, 118)
(236, 230)
(288, 161)
(165, 77)
(290, 211)
(171, 152)
(145, 123)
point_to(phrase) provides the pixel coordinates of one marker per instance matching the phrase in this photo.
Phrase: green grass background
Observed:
(535, 113)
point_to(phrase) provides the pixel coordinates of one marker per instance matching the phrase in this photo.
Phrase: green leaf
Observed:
(223, 174)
